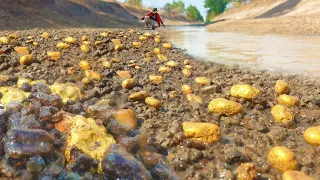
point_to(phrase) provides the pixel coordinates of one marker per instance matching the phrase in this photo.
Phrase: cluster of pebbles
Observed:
(108, 104)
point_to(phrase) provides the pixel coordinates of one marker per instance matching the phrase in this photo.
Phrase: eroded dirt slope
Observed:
(284, 17)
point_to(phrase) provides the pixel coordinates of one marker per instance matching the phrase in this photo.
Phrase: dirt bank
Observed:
(22, 14)
(272, 16)
(155, 142)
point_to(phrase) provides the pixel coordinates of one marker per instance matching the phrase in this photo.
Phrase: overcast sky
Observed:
(160, 3)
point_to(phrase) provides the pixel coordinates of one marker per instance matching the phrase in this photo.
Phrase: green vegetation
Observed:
(193, 13)
(175, 7)
(178, 7)
(216, 7)
(136, 3)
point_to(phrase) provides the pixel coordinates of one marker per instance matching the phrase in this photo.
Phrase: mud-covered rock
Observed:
(27, 142)
(47, 100)
(118, 163)
(19, 120)
(163, 172)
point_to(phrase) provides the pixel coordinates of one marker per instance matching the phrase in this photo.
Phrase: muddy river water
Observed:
(286, 53)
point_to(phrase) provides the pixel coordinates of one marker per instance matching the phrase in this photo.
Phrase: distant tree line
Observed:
(178, 7)
(214, 8)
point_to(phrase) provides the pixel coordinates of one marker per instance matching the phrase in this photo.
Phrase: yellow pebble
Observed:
(132, 31)
(116, 41)
(119, 47)
(148, 54)
(188, 67)
(157, 40)
(70, 40)
(12, 94)
(162, 57)
(92, 75)
(67, 91)
(203, 132)
(71, 70)
(128, 83)
(187, 72)
(54, 55)
(186, 89)
(85, 80)
(45, 35)
(143, 38)
(153, 102)
(147, 59)
(244, 91)
(22, 50)
(281, 87)
(107, 64)
(157, 50)
(287, 100)
(147, 34)
(172, 64)
(282, 158)
(167, 45)
(137, 44)
(62, 45)
(202, 80)
(84, 48)
(84, 38)
(35, 44)
(156, 80)
(186, 62)
(88, 137)
(172, 94)
(138, 96)
(26, 59)
(4, 40)
(84, 65)
(224, 106)
(126, 117)
(104, 34)
(312, 135)
(164, 69)
(96, 43)
(295, 175)
(282, 114)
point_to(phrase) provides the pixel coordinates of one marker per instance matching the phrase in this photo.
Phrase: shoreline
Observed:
(290, 25)
(245, 137)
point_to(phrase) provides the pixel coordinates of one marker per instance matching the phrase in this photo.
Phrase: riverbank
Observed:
(308, 25)
(94, 84)
(271, 16)
(75, 14)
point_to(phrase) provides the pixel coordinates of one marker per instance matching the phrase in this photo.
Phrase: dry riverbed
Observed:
(107, 104)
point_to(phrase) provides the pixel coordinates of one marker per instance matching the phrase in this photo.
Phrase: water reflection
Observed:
(299, 54)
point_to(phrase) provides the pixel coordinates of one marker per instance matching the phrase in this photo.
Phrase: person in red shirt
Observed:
(153, 18)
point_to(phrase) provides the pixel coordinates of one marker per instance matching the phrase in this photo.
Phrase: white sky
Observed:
(160, 3)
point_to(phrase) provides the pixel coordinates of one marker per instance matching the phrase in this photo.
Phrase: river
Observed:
(286, 53)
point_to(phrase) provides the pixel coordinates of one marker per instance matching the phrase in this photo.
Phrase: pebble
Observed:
(118, 163)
